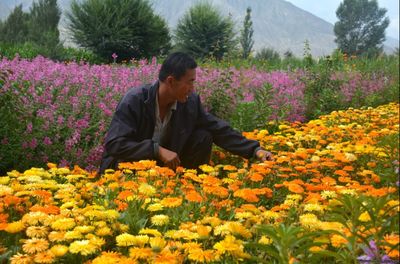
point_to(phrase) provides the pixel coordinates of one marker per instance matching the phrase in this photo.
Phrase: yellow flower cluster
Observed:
(143, 213)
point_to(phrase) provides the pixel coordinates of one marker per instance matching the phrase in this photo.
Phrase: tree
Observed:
(15, 28)
(246, 40)
(44, 17)
(268, 54)
(128, 28)
(204, 32)
(361, 26)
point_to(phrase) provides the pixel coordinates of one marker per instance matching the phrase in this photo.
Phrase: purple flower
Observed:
(372, 255)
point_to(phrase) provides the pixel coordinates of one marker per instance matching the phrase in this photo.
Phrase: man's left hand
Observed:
(264, 155)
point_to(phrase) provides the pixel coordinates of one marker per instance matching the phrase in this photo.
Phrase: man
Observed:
(166, 122)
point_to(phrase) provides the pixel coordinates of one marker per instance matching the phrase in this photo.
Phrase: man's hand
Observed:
(169, 158)
(264, 155)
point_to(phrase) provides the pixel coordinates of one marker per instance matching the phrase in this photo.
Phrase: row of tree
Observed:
(39, 25)
(131, 29)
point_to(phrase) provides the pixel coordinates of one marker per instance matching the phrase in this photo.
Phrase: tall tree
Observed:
(15, 28)
(44, 17)
(204, 32)
(361, 26)
(129, 28)
(246, 39)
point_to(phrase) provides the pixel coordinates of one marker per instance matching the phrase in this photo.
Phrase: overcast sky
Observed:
(326, 9)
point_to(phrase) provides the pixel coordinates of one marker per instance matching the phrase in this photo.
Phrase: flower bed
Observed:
(331, 194)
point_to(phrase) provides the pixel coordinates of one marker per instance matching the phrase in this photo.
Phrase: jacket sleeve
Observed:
(122, 141)
(224, 136)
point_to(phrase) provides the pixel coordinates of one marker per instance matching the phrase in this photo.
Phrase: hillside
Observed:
(277, 23)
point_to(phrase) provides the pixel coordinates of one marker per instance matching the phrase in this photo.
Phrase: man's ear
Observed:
(170, 80)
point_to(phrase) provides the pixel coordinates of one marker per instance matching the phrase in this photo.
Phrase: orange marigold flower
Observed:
(296, 188)
(171, 202)
(193, 196)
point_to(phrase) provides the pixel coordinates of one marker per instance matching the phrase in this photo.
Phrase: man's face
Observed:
(183, 87)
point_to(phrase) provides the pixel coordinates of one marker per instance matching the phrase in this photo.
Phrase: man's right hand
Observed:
(169, 158)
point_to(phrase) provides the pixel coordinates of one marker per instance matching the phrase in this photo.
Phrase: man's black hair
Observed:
(176, 65)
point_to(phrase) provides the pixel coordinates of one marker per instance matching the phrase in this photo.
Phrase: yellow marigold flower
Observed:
(229, 245)
(348, 192)
(100, 224)
(111, 214)
(203, 231)
(59, 250)
(243, 215)
(84, 247)
(157, 243)
(72, 235)
(57, 236)
(328, 194)
(160, 220)
(331, 226)
(296, 197)
(191, 246)
(35, 245)
(270, 215)
(125, 240)
(181, 234)
(97, 241)
(171, 202)
(315, 158)
(37, 231)
(15, 227)
(84, 229)
(148, 231)
(350, 156)
(207, 168)
(104, 231)
(309, 221)
(313, 207)
(337, 240)
(62, 171)
(395, 204)
(147, 189)
(111, 258)
(364, 217)
(265, 240)
(213, 221)
(316, 249)
(140, 253)
(141, 240)
(44, 257)
(202, 256)
(4, 180)
(5, 190)
(63, 224)
(21, 259)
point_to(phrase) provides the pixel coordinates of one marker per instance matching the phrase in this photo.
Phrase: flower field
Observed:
(59, 112)
(330, 195)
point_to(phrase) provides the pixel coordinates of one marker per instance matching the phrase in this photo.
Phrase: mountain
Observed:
(277, 24)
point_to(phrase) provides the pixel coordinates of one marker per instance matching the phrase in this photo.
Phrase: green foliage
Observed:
(204, 32)
(268, 54)
(361, 27)
(253, 115)
(15, 28)
(43, 27)
(129, 28)
(287, 242)
(246, 38)
(374, 214)
(35, 32)
(322, 93)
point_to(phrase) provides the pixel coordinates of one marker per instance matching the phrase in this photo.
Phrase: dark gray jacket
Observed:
(129, 137)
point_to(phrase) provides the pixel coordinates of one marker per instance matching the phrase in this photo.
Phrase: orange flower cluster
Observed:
(343, 163)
